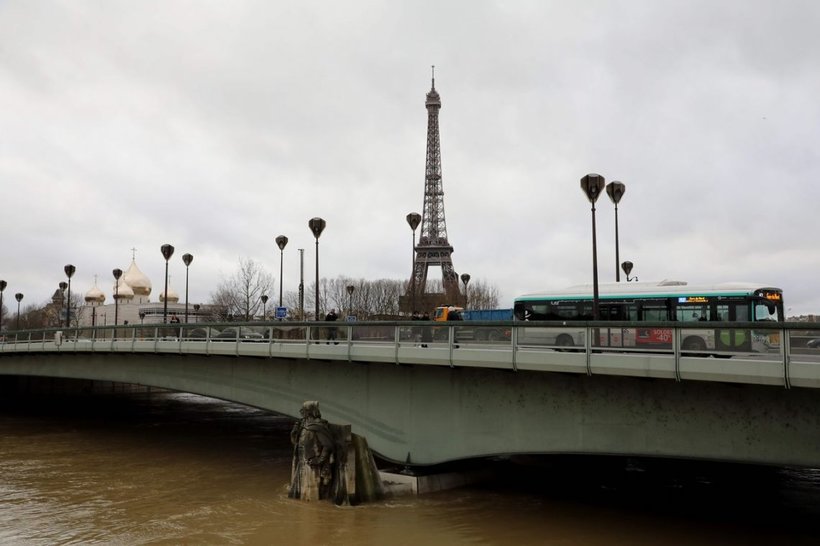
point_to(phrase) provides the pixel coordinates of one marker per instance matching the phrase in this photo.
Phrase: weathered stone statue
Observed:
(329, 462)
(314, 455)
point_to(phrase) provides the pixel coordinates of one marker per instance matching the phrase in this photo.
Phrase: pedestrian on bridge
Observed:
(331, 331)
(426, 331)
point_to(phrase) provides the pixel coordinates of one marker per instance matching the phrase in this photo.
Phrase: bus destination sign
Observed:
(694, 299)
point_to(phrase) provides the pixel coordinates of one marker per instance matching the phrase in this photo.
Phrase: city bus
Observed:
(665, 300)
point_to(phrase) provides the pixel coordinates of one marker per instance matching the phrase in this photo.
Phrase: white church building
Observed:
(131, 303)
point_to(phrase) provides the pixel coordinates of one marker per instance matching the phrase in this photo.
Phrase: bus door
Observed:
(611, 337)
(622, 312)
(651, 311)
(732, 339)
(697, 310)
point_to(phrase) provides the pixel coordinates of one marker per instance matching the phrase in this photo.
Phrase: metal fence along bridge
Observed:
(425, 393)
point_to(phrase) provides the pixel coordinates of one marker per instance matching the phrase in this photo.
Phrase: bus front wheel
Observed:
(564, 340)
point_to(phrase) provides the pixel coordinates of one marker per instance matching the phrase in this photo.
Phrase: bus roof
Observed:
(649, 289)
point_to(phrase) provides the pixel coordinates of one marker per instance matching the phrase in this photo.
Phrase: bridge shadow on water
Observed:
(768, 498)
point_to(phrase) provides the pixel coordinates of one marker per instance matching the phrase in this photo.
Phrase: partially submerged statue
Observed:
(314, 455)
(329, 462)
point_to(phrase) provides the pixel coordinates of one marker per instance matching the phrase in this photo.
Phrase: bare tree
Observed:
(239, 295)
(375, 299)
(481, 295)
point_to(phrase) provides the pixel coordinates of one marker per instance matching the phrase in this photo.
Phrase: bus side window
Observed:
(615, 311)
(654, 313)
(691, 313)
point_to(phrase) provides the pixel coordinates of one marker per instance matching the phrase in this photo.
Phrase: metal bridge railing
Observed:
(786, 354)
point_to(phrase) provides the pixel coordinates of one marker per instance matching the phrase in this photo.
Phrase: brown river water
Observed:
(170, 468)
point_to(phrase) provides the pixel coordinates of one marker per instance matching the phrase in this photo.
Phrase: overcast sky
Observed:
(216, 126)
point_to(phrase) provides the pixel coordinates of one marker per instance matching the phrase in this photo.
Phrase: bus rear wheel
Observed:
(694, 346)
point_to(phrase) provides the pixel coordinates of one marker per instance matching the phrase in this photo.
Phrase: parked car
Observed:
(813, 343)
(229, 334)
(199, 334)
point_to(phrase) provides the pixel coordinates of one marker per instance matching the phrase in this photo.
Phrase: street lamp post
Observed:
(465, 278)
(413, 219)
(615, 190)
(317, 226)
(19, 297)
(117, 274)
(593, 185)
(350, 289)
(264, 299)
(281, 242)
(3, 285)
(301, 284)
(63, 285)
(167, 251)
(627, 266)
(69, 271)
(187, 259)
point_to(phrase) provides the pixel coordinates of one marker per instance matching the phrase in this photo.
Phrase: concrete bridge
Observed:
(459, 398)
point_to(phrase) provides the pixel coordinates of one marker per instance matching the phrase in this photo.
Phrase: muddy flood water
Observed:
(169, 468)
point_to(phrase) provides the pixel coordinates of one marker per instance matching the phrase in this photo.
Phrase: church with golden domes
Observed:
(131, 303)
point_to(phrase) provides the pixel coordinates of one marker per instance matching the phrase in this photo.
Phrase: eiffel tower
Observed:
(433, 248)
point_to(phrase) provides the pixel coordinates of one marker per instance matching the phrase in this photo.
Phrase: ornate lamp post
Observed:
(593, 185)
(142, 318)
(317, 226)
(627, 266)
(167, 251)
(413, 219)
(281, 242)
(69, 271)
(465, 278)
(117, 274)
(187, 259)
(350, 289)
(615, 190)
(3, 285)
(264, 299)
(19, 297)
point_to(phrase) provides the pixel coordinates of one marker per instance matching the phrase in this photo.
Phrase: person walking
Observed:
(331, 330)
(426, 331)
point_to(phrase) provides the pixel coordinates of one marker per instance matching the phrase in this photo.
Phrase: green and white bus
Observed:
(666, 300)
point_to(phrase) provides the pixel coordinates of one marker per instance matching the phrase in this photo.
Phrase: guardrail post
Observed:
(451, 338)
(676, 351)
(588, 348)
(396, 330)
(514, 348)
(786, 347)
(349, 342)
